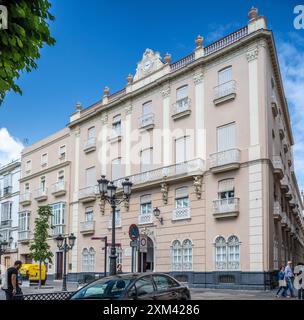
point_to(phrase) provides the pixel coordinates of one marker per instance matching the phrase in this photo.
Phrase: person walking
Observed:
(288, 277)
(282, 282)
(13, 291)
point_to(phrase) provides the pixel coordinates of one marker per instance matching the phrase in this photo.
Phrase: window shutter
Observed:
(226, 137)
(181, 192)
(226, 185)
(182, 93)
(90, 177)
(145, 199)
(147, 160)
(116, 169)
(225, 75)
(91, 133)
(147, 107)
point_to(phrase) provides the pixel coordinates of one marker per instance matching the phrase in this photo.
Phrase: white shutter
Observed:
(180, 150)
(188, 149)
(181, 192)
(226, 185)
(147, 108)
(226, 137)
(116, 169)
(91, 132)
(225, 75)
(90, 177)
(146, 160)
(182, 93)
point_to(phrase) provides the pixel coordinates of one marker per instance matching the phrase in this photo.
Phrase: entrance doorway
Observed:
(146, 259)
(59, 264)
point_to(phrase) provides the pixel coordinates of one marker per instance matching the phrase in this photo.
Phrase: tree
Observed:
(40, 249)
(20, 44)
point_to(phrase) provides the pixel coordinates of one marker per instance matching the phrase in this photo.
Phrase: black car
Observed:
(144, 286)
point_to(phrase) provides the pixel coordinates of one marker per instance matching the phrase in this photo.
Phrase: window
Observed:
(182, 93)
(119, 255)
(181, 99)
(42, 184)
(227, 254)
(116, 169)
(145, 204)
(225, 75)
(27, 188)
(44, 159)
(58, 210)
(164, 282)
(89, 214)
(181, 198)
(146, 160)
(24, 221)
(91, 133)
(6, 212)
(116, 125)
(90, 177)
(182, 149)
(226, 139)
(144, 286)
(7, 184)
(61, 176)
(62, 152)
(88, 260)
(147, 108)
(226, 189)
(181, 255)
(5, 235)
(28, 166)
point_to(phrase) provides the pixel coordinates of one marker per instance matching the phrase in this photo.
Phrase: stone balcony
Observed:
(181, 108)
(59, 189)
(41, 194)
(274, 106)
(281, 129)
(277, 211)
(181, 213)
(225, 160)
(24, 236)
(225, 92)
(284, 184)
(87, 227)
(145, 218)
(25, 199)
(90, 145)
(278, 168)
(88, 194)
(223, 208)
(146, 121)
(58, 229)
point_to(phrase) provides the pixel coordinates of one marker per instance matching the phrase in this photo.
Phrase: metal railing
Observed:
(90, 143)
(25, 197)
(224, 42)
(226, 205)
(46, 296)
(224, 157)
(182, 62)
(181, 105)
(183, 168)
(59, 186)
(181, 213)
(117, 94)
(146, 120)
(145, 218)
(86, 226)
(225, 89)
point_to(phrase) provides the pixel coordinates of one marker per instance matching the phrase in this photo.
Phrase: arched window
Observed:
(233, 253)
(220, 253)
(187, 255)
(91, 262)
(176, 256)
(85, 260)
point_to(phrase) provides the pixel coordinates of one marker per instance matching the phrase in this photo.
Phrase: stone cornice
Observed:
(47, 170)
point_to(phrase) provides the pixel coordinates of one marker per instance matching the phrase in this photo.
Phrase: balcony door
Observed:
(226, 137)
(146, 259)
(59, 265)
(90, 177)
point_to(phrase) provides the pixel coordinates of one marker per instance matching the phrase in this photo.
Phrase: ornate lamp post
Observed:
(3, 247)
(107, 192)
(65, 243)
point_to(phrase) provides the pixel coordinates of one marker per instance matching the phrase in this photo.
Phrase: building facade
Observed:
(9, 208)
(207, 140)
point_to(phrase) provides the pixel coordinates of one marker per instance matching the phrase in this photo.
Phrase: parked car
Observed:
(144, 286)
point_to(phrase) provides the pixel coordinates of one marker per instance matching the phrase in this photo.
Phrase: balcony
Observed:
(145, 218)
(24, 236)
(7, 191)
(6, 224)
(224, 92)
(284, 220)
(292, 204)
(41, 194)
(274, 106)
(180, 171)
(115, 135)
(288, 195)
(278, 168)
(146, 121)
(117, 223)
(181, 108)
(181, 213)
(88, 194)
(25, 199)
(57, 229)
(225, 160)
(224, 208)
(59, 189)
(87, 227)
(90, 145)
(284, 184)
(281, 129)
(277, 211)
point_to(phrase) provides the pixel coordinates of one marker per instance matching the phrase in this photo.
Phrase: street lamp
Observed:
(65, 243)
(107, 191)
(156, 213)
(3, 247)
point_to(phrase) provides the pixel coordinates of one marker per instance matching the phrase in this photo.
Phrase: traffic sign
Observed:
(133, 232)
(134, 243)
(143, 243)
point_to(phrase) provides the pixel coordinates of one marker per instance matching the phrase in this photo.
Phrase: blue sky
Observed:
(99, 43)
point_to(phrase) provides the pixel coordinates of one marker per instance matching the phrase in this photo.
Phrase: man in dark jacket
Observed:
(13, 291)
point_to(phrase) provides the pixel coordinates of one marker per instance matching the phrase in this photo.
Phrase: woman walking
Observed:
(282, 283)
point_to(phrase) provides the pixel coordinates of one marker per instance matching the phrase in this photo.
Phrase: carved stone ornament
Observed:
(128, 109)
(147, 232)
(104, 118)
(102, 206)
(252, 54)
(198, 77)
(127, 205)
(165, 91)
(164, 191)
(197, 185)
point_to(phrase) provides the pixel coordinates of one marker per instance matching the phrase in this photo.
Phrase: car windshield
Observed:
(103, 289)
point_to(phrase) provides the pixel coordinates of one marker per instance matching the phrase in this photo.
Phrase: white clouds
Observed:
(218, 31)
(291, 56)
(10, 147)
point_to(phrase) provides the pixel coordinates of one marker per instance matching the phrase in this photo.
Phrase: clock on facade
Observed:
(147, 64)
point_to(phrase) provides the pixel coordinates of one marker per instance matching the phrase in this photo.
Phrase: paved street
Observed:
(197, 294)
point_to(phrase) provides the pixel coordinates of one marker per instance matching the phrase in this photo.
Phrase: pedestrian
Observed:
(119, 268)
(282, 282)
(12, 290)
(289, 277)
(299, 282)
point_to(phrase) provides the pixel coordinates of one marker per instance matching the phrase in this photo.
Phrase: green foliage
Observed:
(20, 44)
(40, 249)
